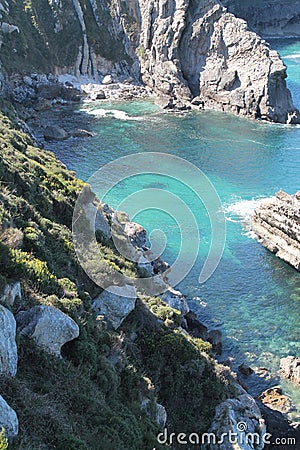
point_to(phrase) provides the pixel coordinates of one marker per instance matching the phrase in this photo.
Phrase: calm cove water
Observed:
(253, 297)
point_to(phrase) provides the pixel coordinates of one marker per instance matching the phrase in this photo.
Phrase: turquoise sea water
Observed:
(253, 297)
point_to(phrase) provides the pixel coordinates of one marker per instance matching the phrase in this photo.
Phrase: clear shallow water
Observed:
(253, 297)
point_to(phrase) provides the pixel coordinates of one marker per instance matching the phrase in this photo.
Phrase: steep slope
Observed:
(96, 396)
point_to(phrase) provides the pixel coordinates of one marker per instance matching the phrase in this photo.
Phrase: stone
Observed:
(290, 368)
(236, 416)
(48, 326)
(215, 338)
(276, 224)
(245, 369)
(136, 233)
(55, 133)
(108, 79)
(8, 346)
(8, 28)
(176, 300)
(81, 133)
(8, 419)
(157, 412)
(198, 49)
(100, 95)
(275, 399)
(195, 327)
(115, 304)
(10, 293)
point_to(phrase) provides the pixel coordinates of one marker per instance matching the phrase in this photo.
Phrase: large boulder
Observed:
(136, 233)
(48, 326)
(8, 419)
(290, 368)
(176, 300)
(236, 417)
(115, 304)
(275, 399)
(8, 346)
(55, 133)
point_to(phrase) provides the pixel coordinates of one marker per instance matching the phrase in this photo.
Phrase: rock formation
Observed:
(239, 415)
(10, 293)
(290, 368)
(8, 419)
(268, 18)
(115, 304)
(277, 226)
(48, 326)
(8, 347)
(183, 50)
(197, 49)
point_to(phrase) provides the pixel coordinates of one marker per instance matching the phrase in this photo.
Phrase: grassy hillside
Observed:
(91, 398)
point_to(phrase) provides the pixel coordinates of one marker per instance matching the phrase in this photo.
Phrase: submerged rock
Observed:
(275, 399)
(8, 419)
(115, 304)
(8, 346)
(55, 133)
(277, 226)
(48, 326)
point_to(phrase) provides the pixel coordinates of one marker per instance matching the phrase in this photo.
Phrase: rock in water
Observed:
(198, 49)
(48, 326)
(290, 368)
(115, 304)
(276, 400)
(8, 346)
(277, 226)
(55, 133)
(8, 419)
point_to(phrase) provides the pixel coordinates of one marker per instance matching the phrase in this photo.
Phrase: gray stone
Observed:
(55, 133)
(176, 300)
(10, 293)
(115, 304)
(157, 412)
(215, 338)
(108, 79)
(8, 28)
(8, 346)
(136, 233)
(238, 415)
(48, 326)
(8, 419)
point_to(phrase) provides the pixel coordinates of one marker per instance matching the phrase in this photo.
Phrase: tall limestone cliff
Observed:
(180, 48)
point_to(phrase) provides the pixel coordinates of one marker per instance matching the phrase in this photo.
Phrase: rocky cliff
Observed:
(184, 50)
(277, 225)
(268, 18)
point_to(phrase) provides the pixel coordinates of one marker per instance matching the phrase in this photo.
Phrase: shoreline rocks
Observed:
(277, 227)
(290, 368)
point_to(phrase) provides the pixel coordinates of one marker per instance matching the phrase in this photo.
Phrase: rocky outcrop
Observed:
(55, 133)
(8, 419)
(48, 326)
(10, 293)
(197, 49)
(236, 417)
(115, 304)
(268, 18)
(8, 347)
(277, 226)
(156, 411)
(290, 368)
(176, 300)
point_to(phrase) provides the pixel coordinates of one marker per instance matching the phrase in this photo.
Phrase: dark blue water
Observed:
(253, 297)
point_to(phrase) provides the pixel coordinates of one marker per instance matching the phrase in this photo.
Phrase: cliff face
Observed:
(181, 49)
(198, 49)
(268, 18)
(277, 225)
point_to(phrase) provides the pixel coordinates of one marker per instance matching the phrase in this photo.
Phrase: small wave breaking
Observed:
(115, 113)
(242, 210)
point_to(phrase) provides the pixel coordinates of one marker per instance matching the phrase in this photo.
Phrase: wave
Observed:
(292, 56)
(243, 210)
(115, 113)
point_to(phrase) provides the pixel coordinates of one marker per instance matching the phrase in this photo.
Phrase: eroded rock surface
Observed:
(277, 226)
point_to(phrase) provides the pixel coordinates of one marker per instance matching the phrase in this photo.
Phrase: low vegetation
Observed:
(91, 398)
